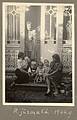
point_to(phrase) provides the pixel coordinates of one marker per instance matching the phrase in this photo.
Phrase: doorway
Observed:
(32, 33)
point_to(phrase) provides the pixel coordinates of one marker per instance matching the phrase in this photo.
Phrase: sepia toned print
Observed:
(38, 45)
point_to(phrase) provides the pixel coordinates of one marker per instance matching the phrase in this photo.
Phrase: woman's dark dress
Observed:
(22, 76)
(56, 77)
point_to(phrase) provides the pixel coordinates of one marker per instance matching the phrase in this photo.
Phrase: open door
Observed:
(32, 33)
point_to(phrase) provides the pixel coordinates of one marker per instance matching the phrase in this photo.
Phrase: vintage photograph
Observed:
(38, 54)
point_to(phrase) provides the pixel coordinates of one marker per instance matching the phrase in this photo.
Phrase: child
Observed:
(26, 63)
(39, 72)
(32, 70)
(46, 67)
(20, 60)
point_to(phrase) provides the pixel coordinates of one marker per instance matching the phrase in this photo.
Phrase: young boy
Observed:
(32, 70)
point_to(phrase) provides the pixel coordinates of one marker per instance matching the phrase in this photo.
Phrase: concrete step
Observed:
(31, 87)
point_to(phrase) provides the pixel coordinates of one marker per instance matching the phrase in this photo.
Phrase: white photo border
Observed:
(3, 56)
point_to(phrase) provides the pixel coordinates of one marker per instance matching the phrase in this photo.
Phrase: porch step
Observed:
(31, 87)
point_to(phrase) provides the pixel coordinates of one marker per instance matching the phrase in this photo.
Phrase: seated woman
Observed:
(22, 69)
(54, 75)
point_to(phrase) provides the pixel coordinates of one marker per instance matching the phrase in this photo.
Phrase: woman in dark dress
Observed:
(55, 74)
(22, 70)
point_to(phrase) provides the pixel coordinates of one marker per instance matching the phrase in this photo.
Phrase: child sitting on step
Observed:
(39, 73)
(32, 70)
(46, 68)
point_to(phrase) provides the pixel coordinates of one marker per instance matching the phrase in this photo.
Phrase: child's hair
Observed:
(20, 55)
(33, 64)
(45, 60)
(40, 64)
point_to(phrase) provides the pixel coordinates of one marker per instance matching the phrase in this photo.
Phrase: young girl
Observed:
(39, 73)
(46, 67)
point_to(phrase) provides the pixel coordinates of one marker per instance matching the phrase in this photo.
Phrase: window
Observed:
(50, 23)
(67, 24)
(13, 25)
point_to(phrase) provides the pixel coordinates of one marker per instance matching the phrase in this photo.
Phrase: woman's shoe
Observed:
(48, 94)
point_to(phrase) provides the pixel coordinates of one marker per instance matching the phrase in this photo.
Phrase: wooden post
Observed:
(22, 30)
(59, 29)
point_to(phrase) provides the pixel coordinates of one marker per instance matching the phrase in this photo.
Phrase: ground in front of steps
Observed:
(34, 94)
